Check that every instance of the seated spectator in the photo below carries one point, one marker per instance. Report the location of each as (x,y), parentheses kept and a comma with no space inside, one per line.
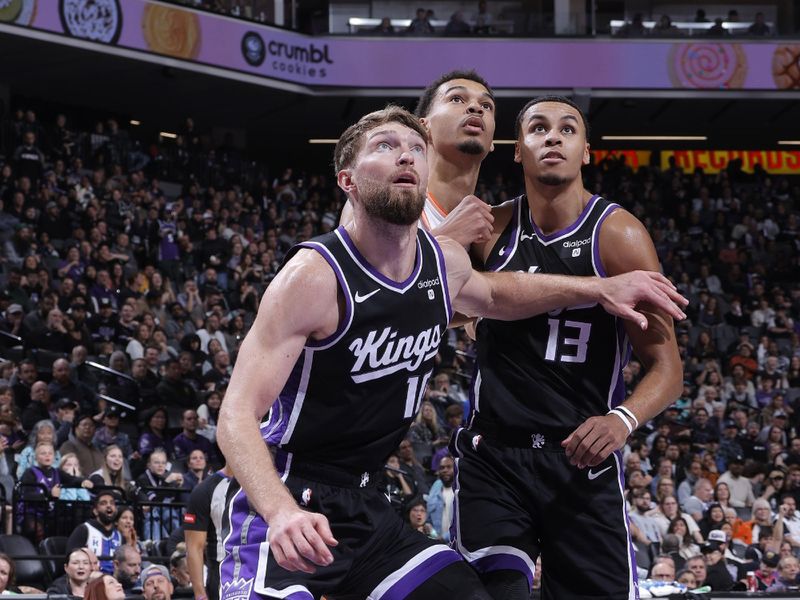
(110,435)
(104,588)
(688,546)
(714,518)
(441,498)
(179,570)
(154,433)
(219,375)
(425,432)
(173,391)
(43,431)
(644,529)
(634,28)
(128,568)
(667,511)
(100,534)
(39,407)
(8,585)
(189,440)
(663,570)
(418,519)
(197,469)
(787,580)
(665,28)
(717,575)
(69,464)
(77,569)
(112,473)
(697,503)
(740,487)
(126,525)
(687,578)
(82,443)
(43,482)
(457,26)
(410,464)
(156,583)
(420,25)
(207,415)
(63,387)
(159,487)
(759,26)
(384,27)
(397,484)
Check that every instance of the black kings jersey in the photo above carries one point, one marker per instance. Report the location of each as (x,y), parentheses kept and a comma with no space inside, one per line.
(554,370)
(350,398)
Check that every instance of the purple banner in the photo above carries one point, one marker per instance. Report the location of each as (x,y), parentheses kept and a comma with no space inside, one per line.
(227,43)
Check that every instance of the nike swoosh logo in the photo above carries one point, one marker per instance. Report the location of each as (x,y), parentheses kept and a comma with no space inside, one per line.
(359,298)
(524,237)
(592,475)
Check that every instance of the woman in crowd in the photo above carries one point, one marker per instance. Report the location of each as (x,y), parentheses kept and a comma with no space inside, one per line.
(135,347)
(77,569)
(688,547)
(112,471)
(197,469)
(207,415)
(72,466)
(667,511)
(713,518)
(126,524)
(424,433)
(104,588)
(155,433)
(722,495)
(418,519)
(8,572)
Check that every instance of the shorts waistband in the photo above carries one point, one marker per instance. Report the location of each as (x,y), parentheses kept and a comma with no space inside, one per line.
(323,473)
(549,438)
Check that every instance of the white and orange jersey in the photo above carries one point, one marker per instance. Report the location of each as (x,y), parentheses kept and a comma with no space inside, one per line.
(433,214)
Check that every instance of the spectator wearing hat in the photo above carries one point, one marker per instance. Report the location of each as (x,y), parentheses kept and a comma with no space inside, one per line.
(109,434)
(63,387)
(156,583)
(99,534)
(729,446)
(717,574)
(741,487)
(12,320)
(82,444)
(63,419)
(787,577)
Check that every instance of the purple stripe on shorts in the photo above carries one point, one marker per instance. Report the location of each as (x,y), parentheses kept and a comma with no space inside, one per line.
(502,562)
(242,546)
(631,549)
(420,574)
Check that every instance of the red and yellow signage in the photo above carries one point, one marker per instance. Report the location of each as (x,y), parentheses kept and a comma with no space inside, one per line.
(779,162)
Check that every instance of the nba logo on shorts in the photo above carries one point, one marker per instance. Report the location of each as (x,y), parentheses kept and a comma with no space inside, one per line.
(576,252)
(431,295)
(306,497)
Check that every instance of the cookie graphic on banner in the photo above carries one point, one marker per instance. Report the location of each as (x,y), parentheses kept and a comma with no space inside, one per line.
(171,31)
(786,66)
(707,65)
(19,12)
(94,20)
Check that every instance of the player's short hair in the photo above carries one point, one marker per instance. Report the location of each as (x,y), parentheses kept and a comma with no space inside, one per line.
(429,93)
(349,144)
(548,98)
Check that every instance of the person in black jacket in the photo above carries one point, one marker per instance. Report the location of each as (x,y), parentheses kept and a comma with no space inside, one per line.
(77,569)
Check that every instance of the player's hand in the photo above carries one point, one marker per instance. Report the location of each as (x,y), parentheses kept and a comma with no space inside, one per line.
(620,295)
(299,540)
(594,440)
(469,222)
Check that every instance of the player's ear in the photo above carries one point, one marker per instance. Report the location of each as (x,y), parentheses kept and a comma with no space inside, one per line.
(345,180)
(517,157)
(586,154)
(424,122)
(491,147)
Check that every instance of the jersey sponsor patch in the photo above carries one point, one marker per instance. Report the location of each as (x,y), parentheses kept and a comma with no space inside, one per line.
(189,518)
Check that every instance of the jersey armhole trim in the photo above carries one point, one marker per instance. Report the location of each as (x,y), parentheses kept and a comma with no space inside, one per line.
(442,268)
(347,320)
(507,252)
(597,263)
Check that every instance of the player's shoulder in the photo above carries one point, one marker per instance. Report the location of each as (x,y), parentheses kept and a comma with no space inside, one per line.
(625,243)
(621,223)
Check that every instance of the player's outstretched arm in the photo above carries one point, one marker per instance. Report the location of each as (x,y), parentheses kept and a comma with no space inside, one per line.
(300,303)
(514,296)
(625,245)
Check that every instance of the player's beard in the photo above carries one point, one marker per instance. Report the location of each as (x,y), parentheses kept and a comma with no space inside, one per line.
(551,179)
(395,206)
(471,147)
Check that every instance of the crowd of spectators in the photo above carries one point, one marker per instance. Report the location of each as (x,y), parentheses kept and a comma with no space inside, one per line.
(104,263)
(664,26)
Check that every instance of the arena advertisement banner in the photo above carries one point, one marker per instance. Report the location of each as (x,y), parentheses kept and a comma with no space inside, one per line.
(778,162)
(365,62)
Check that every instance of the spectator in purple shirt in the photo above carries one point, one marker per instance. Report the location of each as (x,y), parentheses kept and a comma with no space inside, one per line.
(189,440)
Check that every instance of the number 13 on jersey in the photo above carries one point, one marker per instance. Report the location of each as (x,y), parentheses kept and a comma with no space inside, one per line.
(567,341)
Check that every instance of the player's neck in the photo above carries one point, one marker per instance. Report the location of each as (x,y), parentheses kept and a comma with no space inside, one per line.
(451,180)
(554,208)
(390,249)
